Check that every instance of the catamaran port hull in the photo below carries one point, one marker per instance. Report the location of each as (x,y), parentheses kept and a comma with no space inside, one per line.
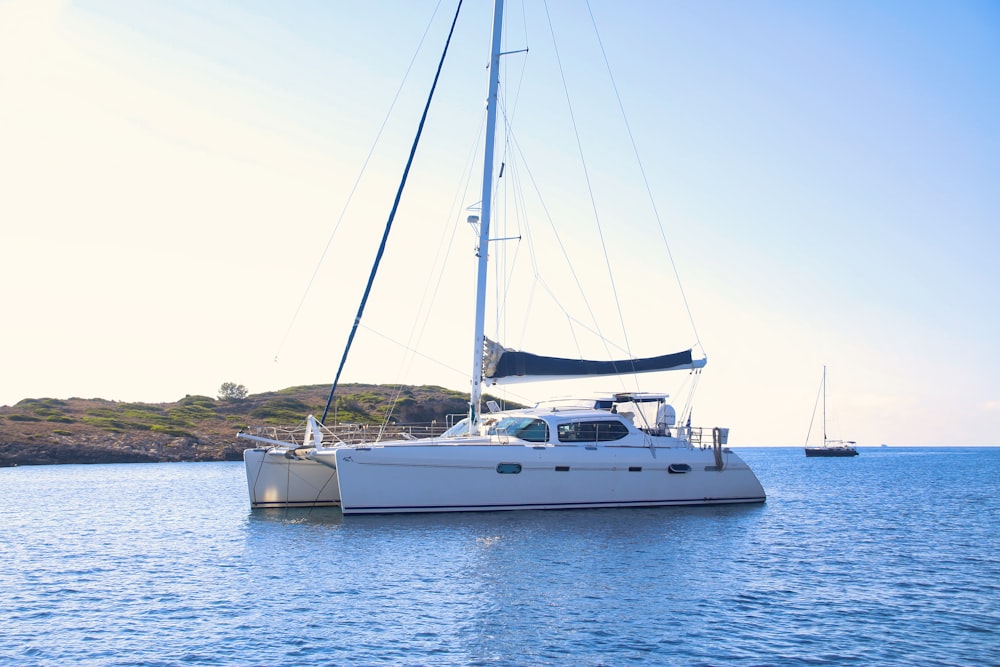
(279,477)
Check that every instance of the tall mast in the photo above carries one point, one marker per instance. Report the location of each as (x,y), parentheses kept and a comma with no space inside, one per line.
(824,406)
(483,251)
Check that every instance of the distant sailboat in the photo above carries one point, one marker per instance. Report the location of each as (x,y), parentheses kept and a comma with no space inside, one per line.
(829,447)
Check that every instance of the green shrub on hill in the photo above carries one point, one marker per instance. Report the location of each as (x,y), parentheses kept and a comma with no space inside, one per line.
(110,423)
(202,401)
(281,410)
(170,430)
(191,413)
(62,419)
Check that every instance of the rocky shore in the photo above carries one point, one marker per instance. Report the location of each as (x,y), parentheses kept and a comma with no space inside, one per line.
(130,448)
(196,428)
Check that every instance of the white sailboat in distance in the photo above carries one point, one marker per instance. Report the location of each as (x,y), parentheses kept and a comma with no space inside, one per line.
(830,447)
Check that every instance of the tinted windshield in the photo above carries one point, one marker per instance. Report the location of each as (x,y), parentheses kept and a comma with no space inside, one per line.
(525,428)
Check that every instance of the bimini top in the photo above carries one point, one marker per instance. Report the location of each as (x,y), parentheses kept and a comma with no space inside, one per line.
(501,365)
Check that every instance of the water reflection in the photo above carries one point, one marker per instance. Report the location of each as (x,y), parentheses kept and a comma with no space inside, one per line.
(611,520)
(320,516)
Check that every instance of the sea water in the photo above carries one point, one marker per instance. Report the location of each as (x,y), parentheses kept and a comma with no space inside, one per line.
(889,558)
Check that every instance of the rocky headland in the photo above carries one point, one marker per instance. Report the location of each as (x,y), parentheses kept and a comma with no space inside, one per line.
(40,431)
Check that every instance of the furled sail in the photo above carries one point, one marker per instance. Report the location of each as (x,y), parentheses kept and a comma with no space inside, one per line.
(501,365)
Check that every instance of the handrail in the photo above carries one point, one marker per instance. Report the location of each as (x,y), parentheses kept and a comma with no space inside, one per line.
(341,433)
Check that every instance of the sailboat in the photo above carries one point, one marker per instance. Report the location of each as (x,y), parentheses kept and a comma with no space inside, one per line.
(614,450)
(829,447)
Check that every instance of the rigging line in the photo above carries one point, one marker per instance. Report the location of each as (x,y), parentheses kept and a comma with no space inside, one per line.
(510,260)
(689,399)
(389,408)
(513,150)
(645,179)
(442,261)
(414,351)
(533,254)
(499,224)
(518,208)
(575,322)
(357,182)
(433,287)
(592,328)
(687,390)
(431,293)
(590,190)
(392,214)
(435,278)
(503,266)
(812,418)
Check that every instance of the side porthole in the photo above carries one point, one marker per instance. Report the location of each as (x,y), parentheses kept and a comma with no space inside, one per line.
(678,468)
(508,468)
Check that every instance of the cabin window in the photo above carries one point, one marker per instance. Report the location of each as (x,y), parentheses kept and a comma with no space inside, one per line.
(592,431)
(508,468)
(525,428)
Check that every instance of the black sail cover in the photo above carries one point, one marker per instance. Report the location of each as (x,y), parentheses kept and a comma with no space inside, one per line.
(501,364)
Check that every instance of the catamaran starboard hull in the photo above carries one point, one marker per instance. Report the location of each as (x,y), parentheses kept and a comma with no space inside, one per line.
(400,479)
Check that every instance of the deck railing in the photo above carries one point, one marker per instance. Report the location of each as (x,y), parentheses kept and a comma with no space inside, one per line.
(351,433)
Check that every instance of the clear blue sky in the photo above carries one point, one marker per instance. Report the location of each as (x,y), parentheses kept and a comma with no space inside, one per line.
(827,172)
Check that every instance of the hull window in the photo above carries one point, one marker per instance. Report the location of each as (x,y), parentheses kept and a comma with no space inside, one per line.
(677,468)
(508,468)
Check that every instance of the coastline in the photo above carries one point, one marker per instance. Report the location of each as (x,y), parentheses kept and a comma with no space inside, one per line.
(123,449)
(48,431)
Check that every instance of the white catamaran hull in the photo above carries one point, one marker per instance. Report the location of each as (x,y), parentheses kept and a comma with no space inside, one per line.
(278,478)
(456,478)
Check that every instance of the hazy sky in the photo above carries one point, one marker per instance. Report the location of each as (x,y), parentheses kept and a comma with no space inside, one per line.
(828,175)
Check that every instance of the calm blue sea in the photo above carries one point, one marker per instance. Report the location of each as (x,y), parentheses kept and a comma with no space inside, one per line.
(890,558)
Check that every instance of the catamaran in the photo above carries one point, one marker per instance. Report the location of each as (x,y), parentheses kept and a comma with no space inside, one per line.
(620,449)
